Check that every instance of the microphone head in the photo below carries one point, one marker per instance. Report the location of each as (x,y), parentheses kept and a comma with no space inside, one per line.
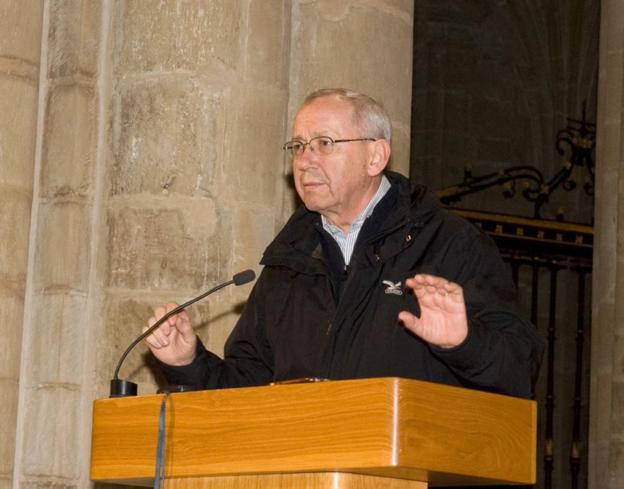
(244,277)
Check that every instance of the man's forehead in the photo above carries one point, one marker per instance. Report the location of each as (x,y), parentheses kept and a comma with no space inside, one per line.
(327,102)
(324,114)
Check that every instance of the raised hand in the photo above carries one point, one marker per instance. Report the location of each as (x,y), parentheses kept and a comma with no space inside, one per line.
(173,342)
(443,321)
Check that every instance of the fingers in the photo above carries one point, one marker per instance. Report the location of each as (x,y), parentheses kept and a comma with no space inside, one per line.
(165,333)
(180,321)
(159,338)
(437,288)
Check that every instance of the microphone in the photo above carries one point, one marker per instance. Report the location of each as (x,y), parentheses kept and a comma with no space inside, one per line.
(123,388)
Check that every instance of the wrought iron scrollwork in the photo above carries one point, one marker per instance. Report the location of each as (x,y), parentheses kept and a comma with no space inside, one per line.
(578,138)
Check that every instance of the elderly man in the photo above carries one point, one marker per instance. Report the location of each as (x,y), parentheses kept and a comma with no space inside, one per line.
(370,277)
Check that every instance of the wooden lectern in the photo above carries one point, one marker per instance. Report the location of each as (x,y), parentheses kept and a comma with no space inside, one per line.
(371,433)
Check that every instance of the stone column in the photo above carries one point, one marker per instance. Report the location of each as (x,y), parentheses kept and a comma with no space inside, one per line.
(20,44)
(193,164)
(159,174)
(606,449)
(55,374)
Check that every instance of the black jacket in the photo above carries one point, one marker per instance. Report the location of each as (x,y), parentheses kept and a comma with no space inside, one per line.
(310,316)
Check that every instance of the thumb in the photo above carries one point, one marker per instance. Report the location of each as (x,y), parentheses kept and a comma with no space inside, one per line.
(410,321)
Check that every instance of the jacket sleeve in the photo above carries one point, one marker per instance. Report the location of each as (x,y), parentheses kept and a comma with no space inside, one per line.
(502,351)
(248,359)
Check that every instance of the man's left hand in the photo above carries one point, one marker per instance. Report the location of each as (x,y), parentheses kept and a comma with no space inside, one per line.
(443,321)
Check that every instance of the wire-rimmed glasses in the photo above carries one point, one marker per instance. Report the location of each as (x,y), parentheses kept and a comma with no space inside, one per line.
(320,144)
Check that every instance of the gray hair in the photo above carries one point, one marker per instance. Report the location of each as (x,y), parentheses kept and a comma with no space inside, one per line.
(369,114)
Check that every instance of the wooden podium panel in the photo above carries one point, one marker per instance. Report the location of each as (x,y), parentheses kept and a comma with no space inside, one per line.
(310,480)
(386,427)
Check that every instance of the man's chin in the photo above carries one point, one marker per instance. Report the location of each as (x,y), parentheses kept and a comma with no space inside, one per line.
(312,205)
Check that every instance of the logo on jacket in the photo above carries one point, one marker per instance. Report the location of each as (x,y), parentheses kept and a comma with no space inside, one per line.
(392,288)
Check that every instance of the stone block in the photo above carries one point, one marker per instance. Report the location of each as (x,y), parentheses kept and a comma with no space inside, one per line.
(617,332)
(155,36)
(366,49)
(14,228)
(6,480)
(20,24)
(8,417)
(400,160)
(69,141)
(607,184)
(289,202)
(267,42)
(599,455)
(18,125)
(62,246)
(51,442)
(123,321)
(59,343)
(46,483)
(399,7)
(602,339)
(253,170)
(166,247)
(225,311)
(124,318)
(164,137)
(616,463)
(611,88)
(73,38)
(601,406)
(616,427)
(612,31)
(12,307)
(253,229)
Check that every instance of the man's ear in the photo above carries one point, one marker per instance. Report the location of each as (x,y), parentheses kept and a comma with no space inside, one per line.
(380,155)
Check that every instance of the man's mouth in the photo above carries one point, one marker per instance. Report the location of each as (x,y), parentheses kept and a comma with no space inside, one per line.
(312,184)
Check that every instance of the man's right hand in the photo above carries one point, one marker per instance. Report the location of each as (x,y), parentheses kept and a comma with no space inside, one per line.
(174,341)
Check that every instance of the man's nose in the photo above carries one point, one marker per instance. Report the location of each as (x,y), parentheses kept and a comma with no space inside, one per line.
(307,157)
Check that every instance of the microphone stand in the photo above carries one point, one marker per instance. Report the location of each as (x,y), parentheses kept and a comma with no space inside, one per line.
(124,388)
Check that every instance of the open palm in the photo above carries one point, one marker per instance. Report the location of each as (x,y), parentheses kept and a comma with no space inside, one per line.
(443,320)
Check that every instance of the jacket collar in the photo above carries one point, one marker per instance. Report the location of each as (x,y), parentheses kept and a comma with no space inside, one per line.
(392,227)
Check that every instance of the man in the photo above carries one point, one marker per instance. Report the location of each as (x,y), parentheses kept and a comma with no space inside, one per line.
(368,278)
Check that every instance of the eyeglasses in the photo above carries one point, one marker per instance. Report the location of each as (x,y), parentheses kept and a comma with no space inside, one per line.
(321,144)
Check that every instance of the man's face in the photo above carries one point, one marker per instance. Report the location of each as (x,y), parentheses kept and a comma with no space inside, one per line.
(336,185)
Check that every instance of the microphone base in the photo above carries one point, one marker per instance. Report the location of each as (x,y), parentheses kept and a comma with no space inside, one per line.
(122,388)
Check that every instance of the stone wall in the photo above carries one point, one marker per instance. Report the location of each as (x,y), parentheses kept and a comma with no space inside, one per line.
(20,44)
(158,173)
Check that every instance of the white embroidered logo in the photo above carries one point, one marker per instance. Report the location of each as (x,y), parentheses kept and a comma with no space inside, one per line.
(392,288)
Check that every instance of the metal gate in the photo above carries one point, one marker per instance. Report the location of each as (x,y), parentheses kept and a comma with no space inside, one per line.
(551,264)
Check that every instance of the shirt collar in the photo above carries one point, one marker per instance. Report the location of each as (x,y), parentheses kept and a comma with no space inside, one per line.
(384,186)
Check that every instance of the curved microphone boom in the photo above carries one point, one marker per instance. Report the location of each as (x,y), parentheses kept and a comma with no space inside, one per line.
(122,388)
